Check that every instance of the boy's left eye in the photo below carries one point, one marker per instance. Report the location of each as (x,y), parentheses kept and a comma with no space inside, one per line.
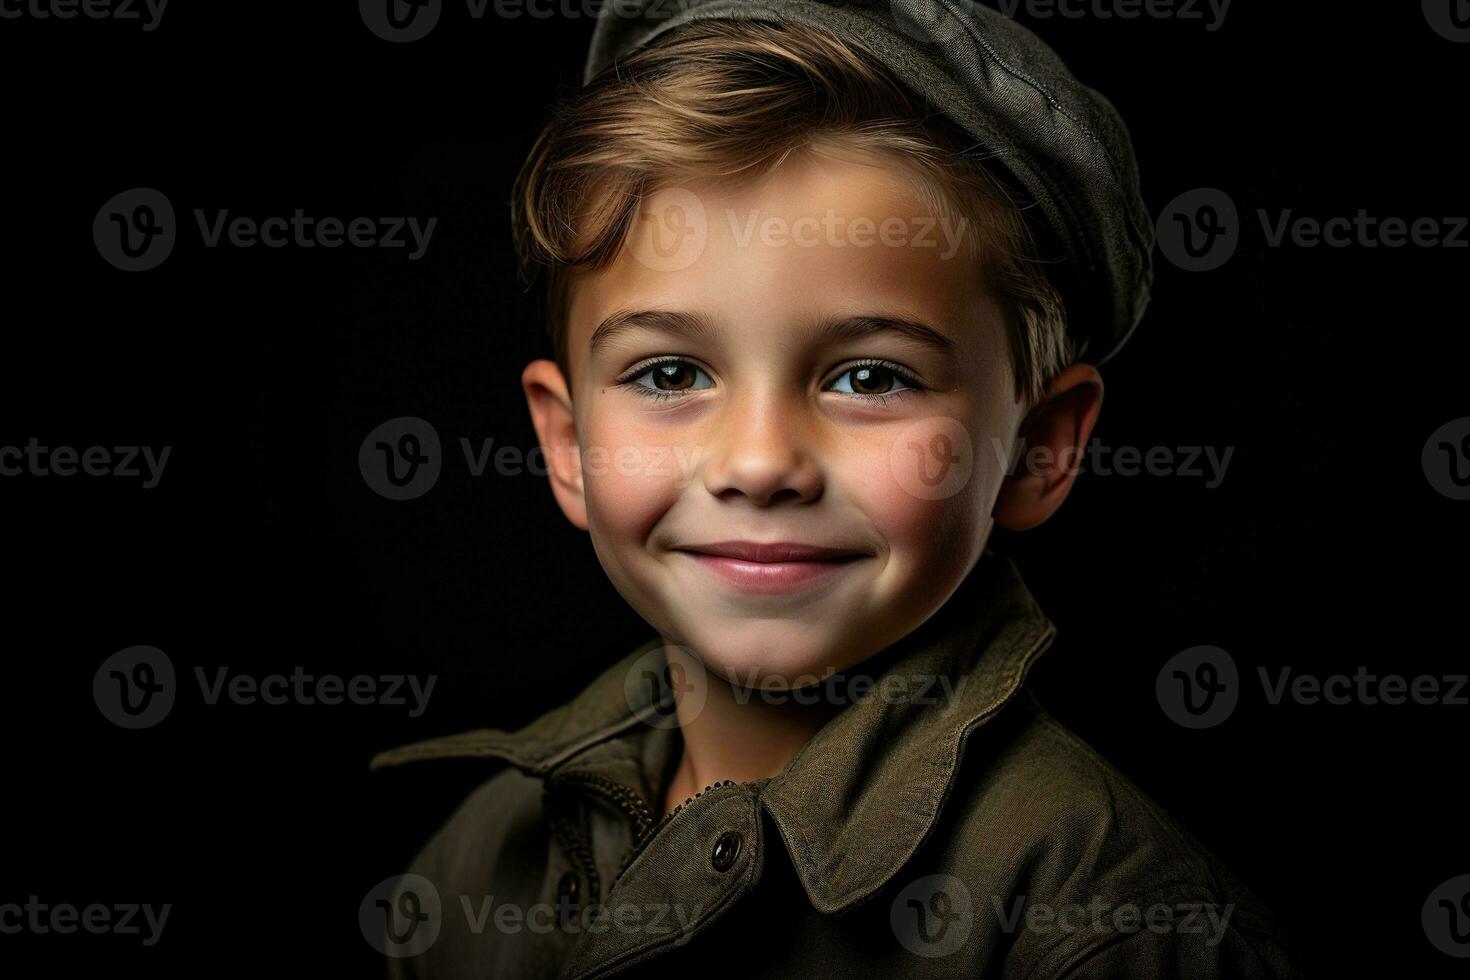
(871,379)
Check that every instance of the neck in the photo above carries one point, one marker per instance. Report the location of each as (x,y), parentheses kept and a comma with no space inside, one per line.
(731,732)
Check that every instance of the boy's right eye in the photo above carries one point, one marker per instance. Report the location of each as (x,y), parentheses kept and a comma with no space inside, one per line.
(668,376)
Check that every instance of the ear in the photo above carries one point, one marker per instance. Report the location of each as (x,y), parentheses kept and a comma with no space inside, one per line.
(1049,449)
(551,413)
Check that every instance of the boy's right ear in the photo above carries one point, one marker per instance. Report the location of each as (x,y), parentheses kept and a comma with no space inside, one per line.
(551,412)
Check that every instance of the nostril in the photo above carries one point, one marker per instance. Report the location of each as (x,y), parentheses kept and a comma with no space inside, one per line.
(787,493)
(763,475)
(782,495)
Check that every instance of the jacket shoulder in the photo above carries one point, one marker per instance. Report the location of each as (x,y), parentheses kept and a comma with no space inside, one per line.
(1058,841)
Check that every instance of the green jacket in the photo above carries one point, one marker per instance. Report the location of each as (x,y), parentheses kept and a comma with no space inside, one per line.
(955,830)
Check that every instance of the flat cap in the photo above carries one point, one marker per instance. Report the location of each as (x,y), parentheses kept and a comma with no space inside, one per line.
(1063,143)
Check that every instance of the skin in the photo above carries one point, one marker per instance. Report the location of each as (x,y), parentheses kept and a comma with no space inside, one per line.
(762,432)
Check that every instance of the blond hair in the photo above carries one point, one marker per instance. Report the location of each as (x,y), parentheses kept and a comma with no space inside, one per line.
(728,102)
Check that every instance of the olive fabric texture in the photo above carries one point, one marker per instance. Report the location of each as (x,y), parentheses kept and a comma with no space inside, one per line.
(1062,141)
(941,824)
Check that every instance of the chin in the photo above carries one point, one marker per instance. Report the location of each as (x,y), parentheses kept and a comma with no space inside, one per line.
(776,655)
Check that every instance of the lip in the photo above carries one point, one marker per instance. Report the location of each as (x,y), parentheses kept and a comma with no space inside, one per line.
(775,568)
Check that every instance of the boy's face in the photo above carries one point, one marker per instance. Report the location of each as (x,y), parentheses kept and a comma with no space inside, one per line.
(743,380)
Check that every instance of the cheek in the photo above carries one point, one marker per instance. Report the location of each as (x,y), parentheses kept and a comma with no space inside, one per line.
(925,485)
(632,474)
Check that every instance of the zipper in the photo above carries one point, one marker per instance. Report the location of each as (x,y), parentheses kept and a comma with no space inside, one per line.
(627,801)
(640,843)
(564,828)
(623,798)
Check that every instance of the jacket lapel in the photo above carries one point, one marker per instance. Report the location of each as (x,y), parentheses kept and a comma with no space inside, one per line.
(858,800)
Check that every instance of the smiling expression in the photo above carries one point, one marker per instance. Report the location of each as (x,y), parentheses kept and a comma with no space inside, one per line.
(792,434)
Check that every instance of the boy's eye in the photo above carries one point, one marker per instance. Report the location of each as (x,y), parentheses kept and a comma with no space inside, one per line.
(673,376)
(870,379)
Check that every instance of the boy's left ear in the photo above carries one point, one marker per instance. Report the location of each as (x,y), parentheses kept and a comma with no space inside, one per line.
(1049,449)
(551,413)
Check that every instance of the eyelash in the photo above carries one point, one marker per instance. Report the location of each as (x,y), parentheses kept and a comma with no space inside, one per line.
(630,377)
(903,374)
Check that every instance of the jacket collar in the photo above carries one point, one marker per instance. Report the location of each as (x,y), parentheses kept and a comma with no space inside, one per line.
(862,795)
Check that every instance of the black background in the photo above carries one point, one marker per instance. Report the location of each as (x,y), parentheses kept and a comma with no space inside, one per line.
(262,548)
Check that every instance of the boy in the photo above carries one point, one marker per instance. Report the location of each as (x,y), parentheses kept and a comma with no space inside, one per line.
(818,273)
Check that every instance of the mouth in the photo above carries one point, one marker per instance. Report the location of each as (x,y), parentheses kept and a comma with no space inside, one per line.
(776,568)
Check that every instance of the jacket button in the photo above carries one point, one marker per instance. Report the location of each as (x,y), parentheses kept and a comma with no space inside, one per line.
(567,888)
(727,849)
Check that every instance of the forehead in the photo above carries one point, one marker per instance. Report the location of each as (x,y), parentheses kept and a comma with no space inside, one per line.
(818,236)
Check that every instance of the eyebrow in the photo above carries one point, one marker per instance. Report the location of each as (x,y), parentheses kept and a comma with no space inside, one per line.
(688,325)
(693,325)
(853,327)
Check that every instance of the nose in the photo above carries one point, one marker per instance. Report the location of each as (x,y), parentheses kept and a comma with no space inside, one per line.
(763,454)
